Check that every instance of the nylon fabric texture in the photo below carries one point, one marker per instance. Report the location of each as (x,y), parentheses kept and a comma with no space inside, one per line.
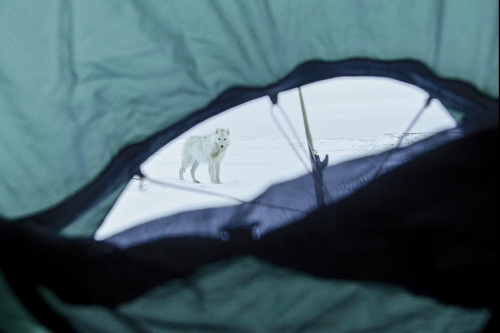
(245,289)
(106,75)
(89,89)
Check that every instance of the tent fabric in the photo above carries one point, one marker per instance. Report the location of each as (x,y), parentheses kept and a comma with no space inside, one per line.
(260,216)
(108,75)
(404,243)
(90,89)
(269,299)
(13,316)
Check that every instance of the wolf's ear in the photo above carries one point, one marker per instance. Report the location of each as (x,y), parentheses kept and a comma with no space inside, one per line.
(217,131)
(227,131)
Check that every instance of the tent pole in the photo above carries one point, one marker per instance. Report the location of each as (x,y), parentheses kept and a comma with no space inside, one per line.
(317,165)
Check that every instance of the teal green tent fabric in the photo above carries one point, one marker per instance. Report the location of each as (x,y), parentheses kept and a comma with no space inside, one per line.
(88,88)
(13,316)
(247,295)
(82,80)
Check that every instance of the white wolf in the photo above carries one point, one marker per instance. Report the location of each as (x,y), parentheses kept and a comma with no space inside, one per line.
(210,149)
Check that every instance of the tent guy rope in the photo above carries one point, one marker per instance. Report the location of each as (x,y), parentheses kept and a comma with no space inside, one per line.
(143,177)
(400,140)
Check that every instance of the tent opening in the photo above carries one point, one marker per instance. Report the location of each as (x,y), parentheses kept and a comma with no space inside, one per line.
(349,117)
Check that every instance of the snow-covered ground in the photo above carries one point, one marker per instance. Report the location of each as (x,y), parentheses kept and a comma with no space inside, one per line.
(348,118)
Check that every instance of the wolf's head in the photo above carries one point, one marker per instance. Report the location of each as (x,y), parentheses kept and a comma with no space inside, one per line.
(222,139)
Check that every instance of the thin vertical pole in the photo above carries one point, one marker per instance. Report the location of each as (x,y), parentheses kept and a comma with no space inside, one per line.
(315,161)
(306,123)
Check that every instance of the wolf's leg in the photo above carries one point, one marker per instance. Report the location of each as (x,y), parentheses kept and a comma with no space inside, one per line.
(181,173)
(217,173)
(193,170)
(211,171)
(186,161)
